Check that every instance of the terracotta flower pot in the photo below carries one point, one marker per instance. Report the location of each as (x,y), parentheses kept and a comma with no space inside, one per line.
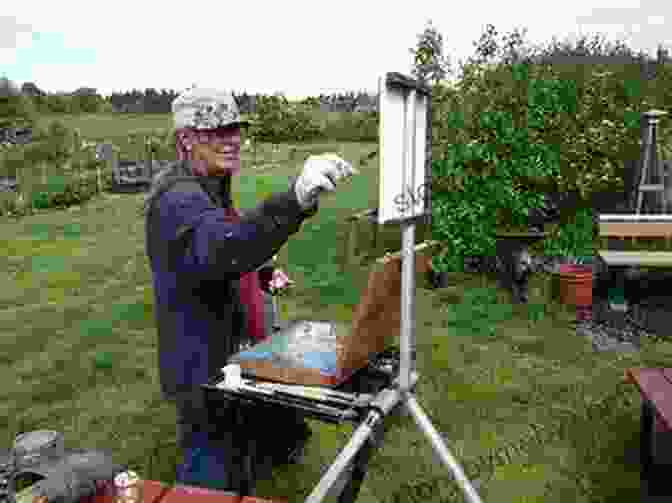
(576,285)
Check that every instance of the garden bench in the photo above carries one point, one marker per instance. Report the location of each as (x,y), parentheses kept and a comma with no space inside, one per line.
(621,231)
(633,231)
(655,386)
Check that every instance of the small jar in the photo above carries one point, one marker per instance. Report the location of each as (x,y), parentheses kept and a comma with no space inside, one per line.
(128,488)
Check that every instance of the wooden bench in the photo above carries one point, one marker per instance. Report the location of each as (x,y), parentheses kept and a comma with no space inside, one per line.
(633,231)
(655,386)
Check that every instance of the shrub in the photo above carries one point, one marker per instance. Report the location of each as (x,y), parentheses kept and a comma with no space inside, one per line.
(16,110)
(353,126)
(507,134)
(277,121)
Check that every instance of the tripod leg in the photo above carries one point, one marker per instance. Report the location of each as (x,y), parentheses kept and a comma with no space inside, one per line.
(343,463)
(386,401)
(440,448)
(360,464)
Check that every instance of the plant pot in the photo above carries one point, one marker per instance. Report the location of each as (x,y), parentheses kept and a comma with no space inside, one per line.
(575,286)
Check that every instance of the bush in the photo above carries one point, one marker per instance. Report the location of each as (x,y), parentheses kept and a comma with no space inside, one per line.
(54,146)
(277,121)
(574,238)
(486,172)
(353,126)
(507,134)
(16,110)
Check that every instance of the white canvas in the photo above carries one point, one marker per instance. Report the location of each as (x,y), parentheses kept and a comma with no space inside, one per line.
(402,183)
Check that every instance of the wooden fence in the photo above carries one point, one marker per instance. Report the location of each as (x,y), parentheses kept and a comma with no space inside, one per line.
(366,239)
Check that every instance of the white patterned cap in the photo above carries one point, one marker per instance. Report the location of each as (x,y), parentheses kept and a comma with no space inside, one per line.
(200,108)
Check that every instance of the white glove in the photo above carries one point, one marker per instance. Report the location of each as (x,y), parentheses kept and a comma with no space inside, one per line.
(320,173)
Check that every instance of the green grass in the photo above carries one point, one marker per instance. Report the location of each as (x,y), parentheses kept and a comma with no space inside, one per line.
(524,403)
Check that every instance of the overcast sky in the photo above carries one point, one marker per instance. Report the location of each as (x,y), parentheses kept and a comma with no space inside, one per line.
(296,47)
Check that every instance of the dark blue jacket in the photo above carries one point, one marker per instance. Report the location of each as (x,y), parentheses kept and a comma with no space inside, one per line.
(196,259)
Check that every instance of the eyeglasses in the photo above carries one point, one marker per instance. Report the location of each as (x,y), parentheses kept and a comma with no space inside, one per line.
(214,140)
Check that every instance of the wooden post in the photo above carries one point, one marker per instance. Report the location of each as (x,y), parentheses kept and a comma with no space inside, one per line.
(151,161)
(254,150)
(76,148)
(114,163)
(148,156)
(351,241)
(28,192)
(109,166)
(108,155)
(369,218)
(99,179)
(373,223)
(19,188)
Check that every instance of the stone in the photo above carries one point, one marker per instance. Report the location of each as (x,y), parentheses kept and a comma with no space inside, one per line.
(602,342)
(8,184)
(104,152)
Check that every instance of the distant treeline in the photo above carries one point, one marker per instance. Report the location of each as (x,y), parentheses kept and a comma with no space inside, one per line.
(152,101)
(87,100)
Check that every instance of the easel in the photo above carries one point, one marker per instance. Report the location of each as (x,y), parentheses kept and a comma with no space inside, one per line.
(400,111)
(402,391)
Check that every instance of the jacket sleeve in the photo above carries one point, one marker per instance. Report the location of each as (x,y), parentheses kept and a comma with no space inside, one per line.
(213,246)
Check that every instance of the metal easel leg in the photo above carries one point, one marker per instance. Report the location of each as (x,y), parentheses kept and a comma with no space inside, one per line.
(357,472)
(441,450)
(380,407)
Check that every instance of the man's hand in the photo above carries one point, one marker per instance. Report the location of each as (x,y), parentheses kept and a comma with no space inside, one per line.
(320,174)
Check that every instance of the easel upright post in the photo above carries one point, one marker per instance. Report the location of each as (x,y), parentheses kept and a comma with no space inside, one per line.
(407,335)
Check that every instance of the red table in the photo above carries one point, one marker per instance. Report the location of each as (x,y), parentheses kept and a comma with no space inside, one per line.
(655,386)
(157,492)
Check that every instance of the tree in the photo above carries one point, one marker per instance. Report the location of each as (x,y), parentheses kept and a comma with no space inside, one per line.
(311,102)
(58,103)
(86,100)
(36,95)
(31,90)
(16,110)
(429,62)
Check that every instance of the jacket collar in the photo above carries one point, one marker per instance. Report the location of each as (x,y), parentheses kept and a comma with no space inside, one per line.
(217,188)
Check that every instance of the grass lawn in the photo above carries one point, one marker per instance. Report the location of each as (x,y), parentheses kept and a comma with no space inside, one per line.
(524,403)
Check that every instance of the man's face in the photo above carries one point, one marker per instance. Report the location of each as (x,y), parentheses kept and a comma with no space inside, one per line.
(221,153)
